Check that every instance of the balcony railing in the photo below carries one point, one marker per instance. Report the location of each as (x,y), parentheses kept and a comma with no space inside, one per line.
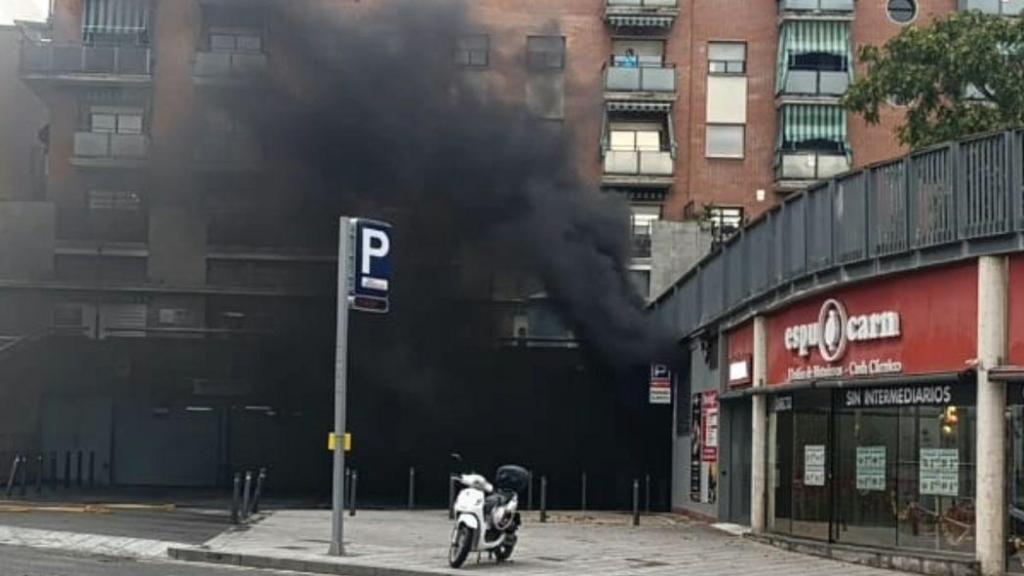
(51,59)
(834,6)
(643,3)
(1005,7)
(640,79)
(810,165)
(816,82)
(934,200)
(638,163)
(641,13)
(229,64)
(111,146)
(228,150)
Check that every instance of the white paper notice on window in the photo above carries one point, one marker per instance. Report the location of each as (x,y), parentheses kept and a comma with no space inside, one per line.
(814,465)
(939,472)
(871,468)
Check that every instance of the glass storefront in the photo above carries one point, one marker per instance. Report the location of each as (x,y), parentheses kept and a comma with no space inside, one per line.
(883,466)
(1015,478)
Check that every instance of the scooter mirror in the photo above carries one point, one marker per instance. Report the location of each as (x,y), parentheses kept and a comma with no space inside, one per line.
(456,457)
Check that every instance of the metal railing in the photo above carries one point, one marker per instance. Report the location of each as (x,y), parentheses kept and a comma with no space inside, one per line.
(810,165)
(967,191)
(229,64)
(639,162)
(1006,7)
(643,78)
(643,3)
(81,59)
(816,82)
(817,5)
(110,145)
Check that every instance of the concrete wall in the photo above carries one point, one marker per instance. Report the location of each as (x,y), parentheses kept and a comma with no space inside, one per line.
(27,232)
(23,115)
(675,248)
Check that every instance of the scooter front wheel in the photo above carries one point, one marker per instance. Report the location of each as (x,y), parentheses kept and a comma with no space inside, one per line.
(462,541)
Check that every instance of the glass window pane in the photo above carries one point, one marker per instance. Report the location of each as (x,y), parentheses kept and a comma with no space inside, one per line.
(222,42)
(623,141)
(780,467)
(129,124)
(727,51)
(810,477)
(104,123)
(249,43)
(725,141)
(649,141)
(866,449)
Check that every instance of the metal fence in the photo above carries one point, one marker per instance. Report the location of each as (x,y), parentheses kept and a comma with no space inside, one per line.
(963,191)
(49,58)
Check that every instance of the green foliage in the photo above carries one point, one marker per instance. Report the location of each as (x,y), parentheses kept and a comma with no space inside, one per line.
(931,71)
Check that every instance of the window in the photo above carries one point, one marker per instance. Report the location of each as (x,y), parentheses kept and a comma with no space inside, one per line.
(226,40)
(118,200)
(631,53)
(727,58)
(115,21)
(902,11)
(642,219)
(473,51)
(632,140)
(725,141)
(545,52)
(641,279)
(817,61)
(725,220)
(110,120)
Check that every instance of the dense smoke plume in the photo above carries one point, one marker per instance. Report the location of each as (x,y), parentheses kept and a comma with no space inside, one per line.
(375,119)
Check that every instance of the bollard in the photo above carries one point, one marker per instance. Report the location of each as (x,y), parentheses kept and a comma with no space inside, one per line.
(543,498)
(451,497)
(259,490)
(647,493)
(412,487)
(67,470)
(78,470)
(583,493)
(529,493)
(40,469)
(636,502)
(24,476)
(53,471)
(13,476)
(235,495)
(92,468)
(352,495)
(245,494)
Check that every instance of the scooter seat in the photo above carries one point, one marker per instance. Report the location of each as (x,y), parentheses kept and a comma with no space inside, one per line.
(499,498)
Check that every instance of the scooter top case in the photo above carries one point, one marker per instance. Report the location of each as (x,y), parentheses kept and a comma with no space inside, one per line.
(511,478)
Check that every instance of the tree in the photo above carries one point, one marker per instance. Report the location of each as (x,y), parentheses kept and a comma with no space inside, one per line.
(962,75)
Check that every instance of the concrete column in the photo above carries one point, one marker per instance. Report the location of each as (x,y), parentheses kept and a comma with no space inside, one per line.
(759,431)
(991,426)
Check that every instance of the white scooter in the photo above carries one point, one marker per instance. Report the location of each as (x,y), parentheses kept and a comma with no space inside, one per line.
(486,516)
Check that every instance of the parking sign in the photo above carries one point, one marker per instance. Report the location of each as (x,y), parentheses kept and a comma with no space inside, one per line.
(371,267)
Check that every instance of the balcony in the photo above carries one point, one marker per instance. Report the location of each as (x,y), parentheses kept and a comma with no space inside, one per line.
(103,65)
(230,151)
(1004,7)
(644,82)
(641,13)
(109,150)
(817,9)
(796,170)
(638,168)
(219,67)
(829,84)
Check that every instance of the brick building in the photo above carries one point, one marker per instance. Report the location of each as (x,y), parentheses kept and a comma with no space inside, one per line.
(702,112)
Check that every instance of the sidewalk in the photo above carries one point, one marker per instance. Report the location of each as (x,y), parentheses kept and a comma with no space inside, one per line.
(415,543)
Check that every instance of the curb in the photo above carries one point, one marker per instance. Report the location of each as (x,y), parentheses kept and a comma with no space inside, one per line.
(289,564)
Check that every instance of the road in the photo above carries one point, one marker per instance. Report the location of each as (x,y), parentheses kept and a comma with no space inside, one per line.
(16,561)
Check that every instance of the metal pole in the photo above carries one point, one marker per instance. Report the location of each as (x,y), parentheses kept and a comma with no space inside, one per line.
(13,476)
(78,469)
(259,490)
(543,498)
(53,471)
(583,493)
(352,496)
(636,502)
(67,470)
(647,493)
(235,495)
(451,497)
(529,493)
(92,468)
(245,494)
(24,476)
(412,487)
(340,381)
(41,469)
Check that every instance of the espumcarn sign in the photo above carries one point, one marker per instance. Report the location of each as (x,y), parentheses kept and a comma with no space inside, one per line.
(833,333)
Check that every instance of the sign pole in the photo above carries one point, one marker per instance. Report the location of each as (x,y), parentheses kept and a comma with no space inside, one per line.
(340,382)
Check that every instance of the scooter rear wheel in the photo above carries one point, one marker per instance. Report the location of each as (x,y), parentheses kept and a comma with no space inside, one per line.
(462,541)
